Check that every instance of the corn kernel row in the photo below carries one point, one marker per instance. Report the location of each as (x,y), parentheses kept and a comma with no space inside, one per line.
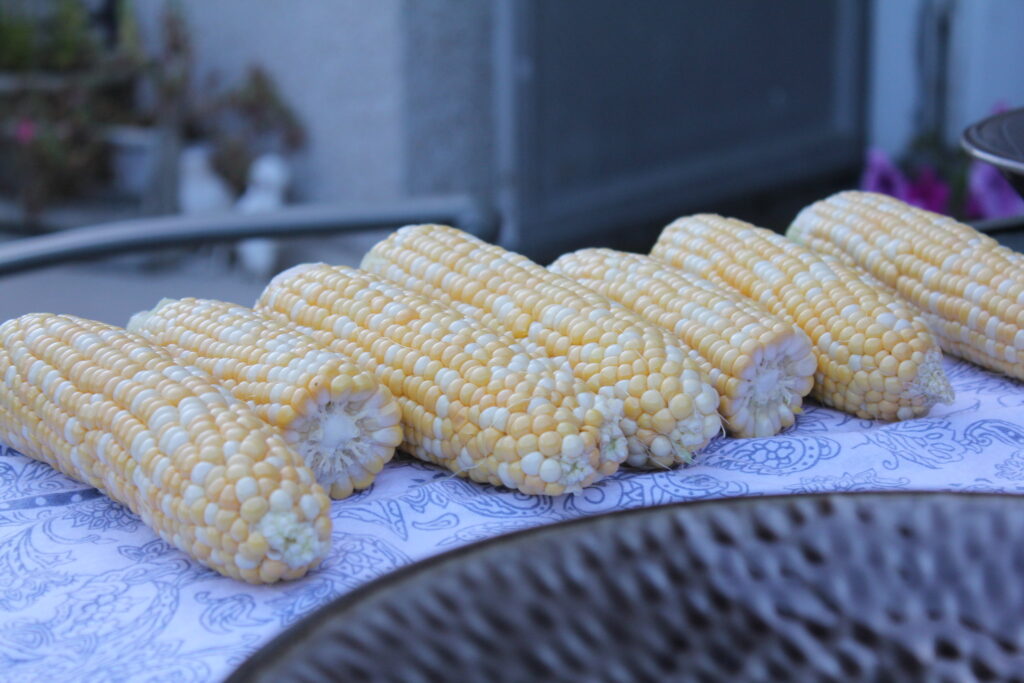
(611,349)
(761,365)
(197,465)
(339,418)
(471,399)
(876,357)
(969,288)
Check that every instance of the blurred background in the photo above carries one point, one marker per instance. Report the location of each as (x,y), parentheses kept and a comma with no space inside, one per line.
(572,122)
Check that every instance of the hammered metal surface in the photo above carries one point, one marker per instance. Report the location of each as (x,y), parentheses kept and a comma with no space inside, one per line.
(856,587)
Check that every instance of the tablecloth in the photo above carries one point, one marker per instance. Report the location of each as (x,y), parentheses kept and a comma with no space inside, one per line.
(88,592)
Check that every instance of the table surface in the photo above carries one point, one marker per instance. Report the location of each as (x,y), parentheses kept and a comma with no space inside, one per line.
(89,592)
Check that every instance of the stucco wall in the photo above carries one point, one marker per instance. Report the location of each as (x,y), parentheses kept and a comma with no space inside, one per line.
(339,66)
(448,109)
(396,95)
(986,67)
(985,49)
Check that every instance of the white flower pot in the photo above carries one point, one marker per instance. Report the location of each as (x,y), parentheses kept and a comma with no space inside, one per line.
(133,151)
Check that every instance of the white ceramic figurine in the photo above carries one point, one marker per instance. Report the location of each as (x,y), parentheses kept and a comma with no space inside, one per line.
(200,189)
(269,176)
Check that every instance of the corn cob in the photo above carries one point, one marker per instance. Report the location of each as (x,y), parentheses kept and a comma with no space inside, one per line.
(761,365)
(670,408)
(472,400)
(968,287)
(197,465)
(338,417)
(876,357)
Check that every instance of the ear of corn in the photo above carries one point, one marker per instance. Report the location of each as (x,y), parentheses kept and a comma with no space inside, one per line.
(969,288)
(472,400)
(761,365)
(337,416)
(197,465)
(876,357)
(670,408)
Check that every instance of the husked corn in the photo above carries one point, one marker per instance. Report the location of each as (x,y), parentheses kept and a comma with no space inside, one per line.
(876,357)
(670,406)
(968,287)
(337,416)
(761,365)
(196,464)
(472,400)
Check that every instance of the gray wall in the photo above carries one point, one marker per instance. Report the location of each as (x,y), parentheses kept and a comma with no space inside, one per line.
(988,54)
(986,51)
(394,94)
(448,109)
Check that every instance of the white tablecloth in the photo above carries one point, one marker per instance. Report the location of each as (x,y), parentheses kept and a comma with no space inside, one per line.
(87,592)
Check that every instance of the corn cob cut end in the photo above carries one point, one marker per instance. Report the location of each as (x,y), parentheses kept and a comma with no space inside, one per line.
(931,381)
(771,387)
(197,465)
(580,461)
(611,439)
(761,366)
(930,385)
(556,317)
(671,424)
(290,538)
(347,433)
(342,422)
(542,436)
(876,356)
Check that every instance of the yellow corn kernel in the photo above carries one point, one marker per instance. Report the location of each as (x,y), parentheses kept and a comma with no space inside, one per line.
(109,409)
(968,287)
(846,319)
(337,416)
(449,375)
(606,345)
(761,366)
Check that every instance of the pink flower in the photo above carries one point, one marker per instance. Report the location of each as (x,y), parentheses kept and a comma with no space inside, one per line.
(881,175)
(929,191)
(24,132)
(989,195)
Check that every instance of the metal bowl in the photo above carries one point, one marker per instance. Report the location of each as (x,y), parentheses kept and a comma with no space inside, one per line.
(825,587)
(999,140)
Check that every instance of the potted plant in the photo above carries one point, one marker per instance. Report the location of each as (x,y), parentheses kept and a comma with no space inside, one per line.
(130,134)
(65,74)
(244,123)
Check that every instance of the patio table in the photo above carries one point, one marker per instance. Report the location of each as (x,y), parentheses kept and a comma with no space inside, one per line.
(88,592)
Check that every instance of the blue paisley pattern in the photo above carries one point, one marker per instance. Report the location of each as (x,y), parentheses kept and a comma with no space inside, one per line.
(770,456)
(1012,468)
(88,592)
(929,442)
(868,480)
